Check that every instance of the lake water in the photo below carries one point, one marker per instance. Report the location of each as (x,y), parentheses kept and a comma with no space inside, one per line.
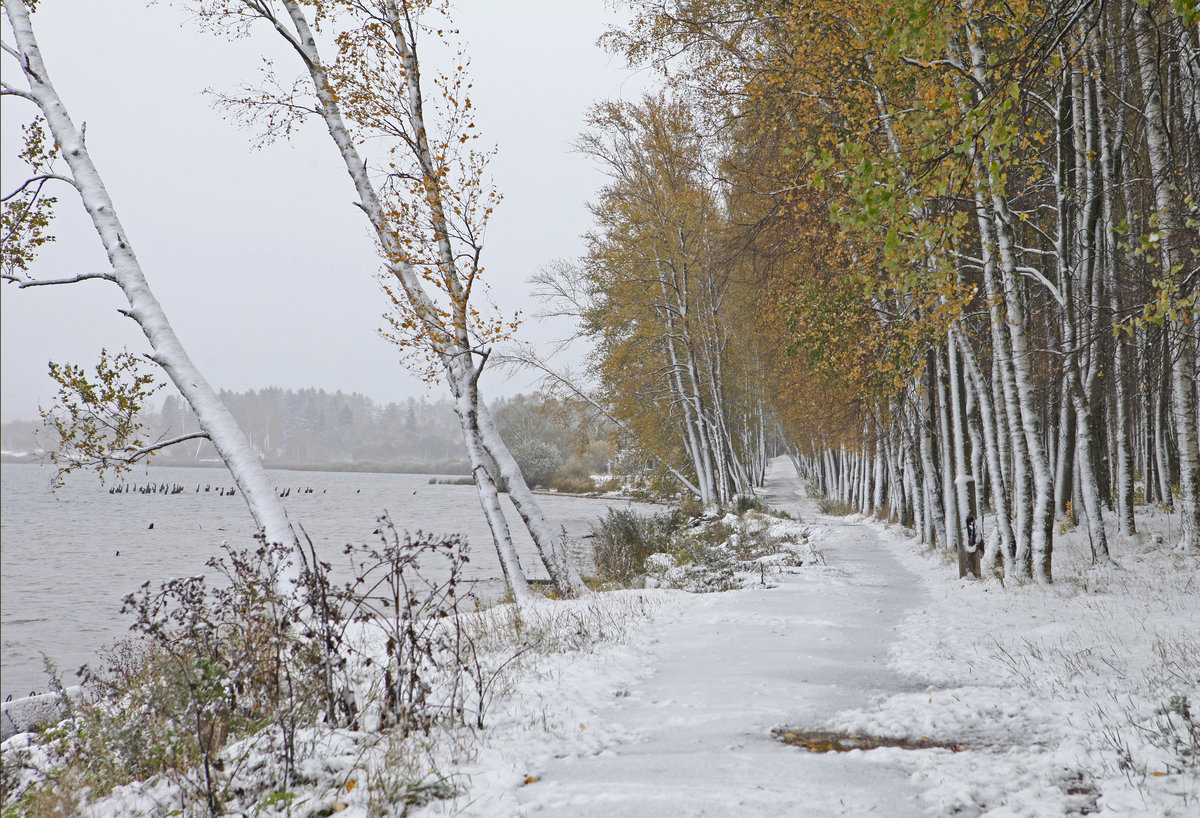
(68,558)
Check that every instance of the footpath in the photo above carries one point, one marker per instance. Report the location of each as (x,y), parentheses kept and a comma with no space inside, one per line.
(736,666)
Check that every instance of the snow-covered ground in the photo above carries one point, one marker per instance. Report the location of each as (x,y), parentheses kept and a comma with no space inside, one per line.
(1079,698)
(1049,694)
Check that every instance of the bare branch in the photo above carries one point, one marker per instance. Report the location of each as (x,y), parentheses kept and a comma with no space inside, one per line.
(41,179)
(132,454)
(7,90)
(562,381)
(22,283)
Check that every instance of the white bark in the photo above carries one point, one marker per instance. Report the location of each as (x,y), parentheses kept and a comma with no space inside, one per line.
(992,431)
(1041,539)
(1181,335)
(466,405)
(932,485)
(964,475)
(1011,436)
(214,418)
(526,506)
(950,477)
(1087,483)
(1126,522)
(450,344)
(880,466)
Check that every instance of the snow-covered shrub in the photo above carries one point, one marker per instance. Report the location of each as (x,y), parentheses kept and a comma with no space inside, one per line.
(719,555)
(216,661)
(747,502)
(404,596)
(623,540)
(834,507)
(229,671)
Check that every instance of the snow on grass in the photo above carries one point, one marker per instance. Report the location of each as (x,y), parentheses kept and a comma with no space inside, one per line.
(733,552)
(541,668)
(549,704)
(1081,697)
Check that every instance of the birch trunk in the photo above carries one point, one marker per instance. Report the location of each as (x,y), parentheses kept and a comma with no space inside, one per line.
(1111,146)
(1012,434)
(945,437)
(1065,465)
(934,510)
(1087,484)
(992,431)
(446,343)
(880,466)
(1180,334)
(965,477)
(466,406)
(168,352)
(530,512)
(1041,541)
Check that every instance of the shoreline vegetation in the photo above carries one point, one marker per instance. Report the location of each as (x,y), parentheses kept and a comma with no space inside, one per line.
(453,469)
(557,444)
(449,469)
(232,698)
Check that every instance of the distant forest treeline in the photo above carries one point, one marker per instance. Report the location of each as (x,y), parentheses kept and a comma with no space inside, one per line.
(312,428)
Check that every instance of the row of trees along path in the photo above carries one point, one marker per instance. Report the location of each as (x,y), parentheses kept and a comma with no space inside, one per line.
(950,253)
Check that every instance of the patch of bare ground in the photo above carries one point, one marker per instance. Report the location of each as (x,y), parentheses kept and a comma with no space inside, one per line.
(831,741)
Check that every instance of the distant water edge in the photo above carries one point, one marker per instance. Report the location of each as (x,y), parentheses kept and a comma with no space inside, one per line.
(445,467)
(68,558)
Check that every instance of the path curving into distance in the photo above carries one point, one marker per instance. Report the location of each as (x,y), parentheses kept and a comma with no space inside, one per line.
(735,665)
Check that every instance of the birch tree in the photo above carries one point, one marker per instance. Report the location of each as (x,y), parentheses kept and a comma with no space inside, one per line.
(1180,269)
(663,295)
(425,196)
(63,160)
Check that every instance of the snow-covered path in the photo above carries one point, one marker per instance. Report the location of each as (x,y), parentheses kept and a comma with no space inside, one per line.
(729,668)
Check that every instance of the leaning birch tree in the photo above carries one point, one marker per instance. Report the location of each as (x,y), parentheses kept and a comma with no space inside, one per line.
(426,197)
(64,161)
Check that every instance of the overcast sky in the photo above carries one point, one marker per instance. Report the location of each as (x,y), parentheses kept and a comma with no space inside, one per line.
(263,265)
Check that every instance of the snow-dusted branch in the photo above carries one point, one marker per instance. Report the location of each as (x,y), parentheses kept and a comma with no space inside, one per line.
(132,455)
(41,180)
(23,282)
(71,458)
(1036,274)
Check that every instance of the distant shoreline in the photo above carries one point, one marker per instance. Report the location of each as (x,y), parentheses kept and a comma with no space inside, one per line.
(441,469)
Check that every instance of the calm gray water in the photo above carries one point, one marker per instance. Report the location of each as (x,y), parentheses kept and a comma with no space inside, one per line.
(67,559)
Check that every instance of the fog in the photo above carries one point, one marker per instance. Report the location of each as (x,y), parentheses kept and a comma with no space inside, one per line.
(264,266)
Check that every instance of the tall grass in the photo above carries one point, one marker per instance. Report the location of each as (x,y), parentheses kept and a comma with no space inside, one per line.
(623,539)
